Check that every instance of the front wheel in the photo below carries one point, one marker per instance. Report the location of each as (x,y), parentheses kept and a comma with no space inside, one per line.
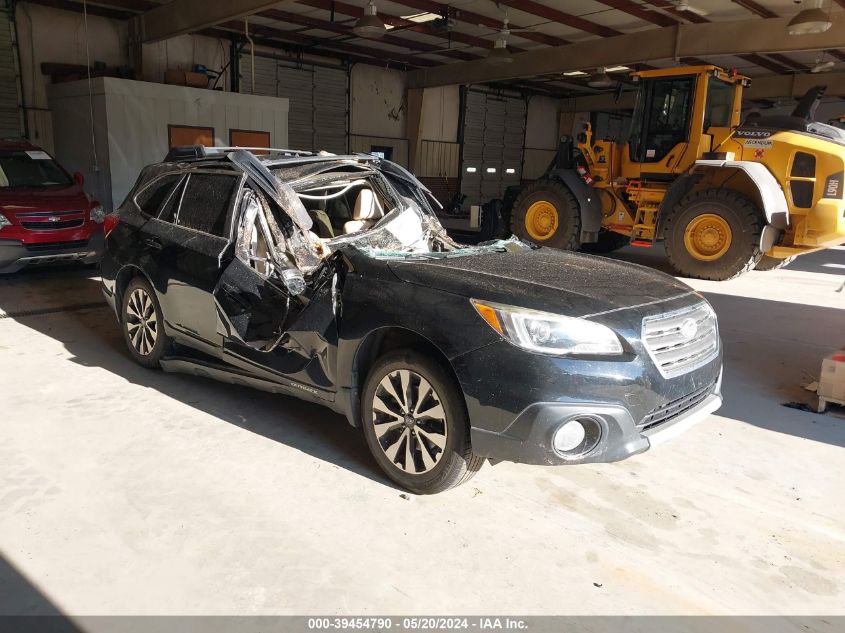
(416,424)
(714,234)
(547,213)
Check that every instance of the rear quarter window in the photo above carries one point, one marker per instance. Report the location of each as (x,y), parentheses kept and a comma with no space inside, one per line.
(150,199)
(206,202)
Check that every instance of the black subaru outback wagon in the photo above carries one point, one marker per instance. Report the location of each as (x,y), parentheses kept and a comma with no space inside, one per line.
(329,278)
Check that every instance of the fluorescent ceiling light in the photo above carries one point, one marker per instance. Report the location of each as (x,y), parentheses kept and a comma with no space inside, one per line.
(616,69)
(421,18)
(575,73)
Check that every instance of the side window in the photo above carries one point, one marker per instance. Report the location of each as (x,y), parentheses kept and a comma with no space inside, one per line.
(666,116)
(150,199)
(206,202)
(720,103)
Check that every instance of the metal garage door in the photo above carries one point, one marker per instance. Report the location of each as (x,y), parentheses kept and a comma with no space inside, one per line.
(11,123)
(318,99)
(493,141)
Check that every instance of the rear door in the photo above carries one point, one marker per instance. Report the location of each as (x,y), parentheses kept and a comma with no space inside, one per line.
(200,224)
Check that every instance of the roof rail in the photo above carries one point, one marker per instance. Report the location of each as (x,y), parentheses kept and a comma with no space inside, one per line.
(194,152)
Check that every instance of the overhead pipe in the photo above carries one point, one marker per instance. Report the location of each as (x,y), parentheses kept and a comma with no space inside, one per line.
(251,53)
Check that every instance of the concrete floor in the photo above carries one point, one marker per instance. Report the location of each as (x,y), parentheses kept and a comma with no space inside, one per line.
(129,491)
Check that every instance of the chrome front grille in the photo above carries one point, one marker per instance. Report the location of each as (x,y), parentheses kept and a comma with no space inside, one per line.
(52,225)
(671,410)
(51,220)
(681,341)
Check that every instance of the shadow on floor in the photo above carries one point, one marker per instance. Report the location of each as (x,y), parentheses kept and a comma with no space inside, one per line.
(770,352)
(48,289)
(21,601)
(93,338)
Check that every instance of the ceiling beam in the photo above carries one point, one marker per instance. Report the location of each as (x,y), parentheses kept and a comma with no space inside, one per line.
(346,29)
(352,10)
(638,11)
(555,15)
(749,37)
(186,16)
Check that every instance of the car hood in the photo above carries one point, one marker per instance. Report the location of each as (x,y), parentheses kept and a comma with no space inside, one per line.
(556,281)
(70,198)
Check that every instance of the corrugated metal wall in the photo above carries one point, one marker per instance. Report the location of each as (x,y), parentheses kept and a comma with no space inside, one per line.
(318,116)
(11,121)
(494,136)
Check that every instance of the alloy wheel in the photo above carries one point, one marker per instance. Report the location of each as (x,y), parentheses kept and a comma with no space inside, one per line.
(141,322)
(409,421)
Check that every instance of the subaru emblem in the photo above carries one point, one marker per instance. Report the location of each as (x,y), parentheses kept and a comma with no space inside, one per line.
(689,328)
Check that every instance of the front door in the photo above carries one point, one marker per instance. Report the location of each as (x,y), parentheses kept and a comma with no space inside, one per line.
(273,323)
(661,124)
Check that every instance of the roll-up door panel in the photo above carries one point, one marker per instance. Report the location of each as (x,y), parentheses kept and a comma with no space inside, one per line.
(317,98)
(297,86)
(330,109)
(493,140)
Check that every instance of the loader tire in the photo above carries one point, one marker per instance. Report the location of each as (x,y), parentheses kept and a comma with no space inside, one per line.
(714,234)
(546,213)
(773,263)
(608,242)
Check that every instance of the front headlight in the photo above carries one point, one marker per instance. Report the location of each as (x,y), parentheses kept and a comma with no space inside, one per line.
(548,333)
(4,221)
(98,214)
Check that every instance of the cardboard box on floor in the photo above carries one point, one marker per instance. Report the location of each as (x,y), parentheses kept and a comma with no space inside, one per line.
(832,378)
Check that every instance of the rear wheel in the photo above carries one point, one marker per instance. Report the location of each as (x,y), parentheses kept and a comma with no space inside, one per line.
(546,212)
(608,242)
(714,234)
(773,263)
(416,424)
(143,324)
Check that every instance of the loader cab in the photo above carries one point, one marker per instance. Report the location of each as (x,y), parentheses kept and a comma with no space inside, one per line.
(680,114)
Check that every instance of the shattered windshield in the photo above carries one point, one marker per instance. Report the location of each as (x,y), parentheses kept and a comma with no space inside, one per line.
(346,203)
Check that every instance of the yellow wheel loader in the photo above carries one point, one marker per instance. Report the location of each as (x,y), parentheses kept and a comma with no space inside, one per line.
(725,196)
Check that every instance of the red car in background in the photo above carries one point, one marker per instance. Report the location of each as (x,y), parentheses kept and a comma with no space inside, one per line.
(45,214)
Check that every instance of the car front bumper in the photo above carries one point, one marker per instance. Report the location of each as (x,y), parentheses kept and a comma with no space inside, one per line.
(530,439)
(15,255)
(532,397)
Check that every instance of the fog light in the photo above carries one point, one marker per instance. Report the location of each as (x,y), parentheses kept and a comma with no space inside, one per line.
(577,436)
(570,436)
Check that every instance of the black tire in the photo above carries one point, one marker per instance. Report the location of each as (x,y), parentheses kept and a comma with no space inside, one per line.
(773,263)
(608,242)
(746,224)
(567,235)
(150,351)
(454,463)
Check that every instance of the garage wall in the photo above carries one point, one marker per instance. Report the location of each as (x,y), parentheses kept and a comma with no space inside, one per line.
(378,110)
(11,119)
(53,35)
(183,53)
(439,152)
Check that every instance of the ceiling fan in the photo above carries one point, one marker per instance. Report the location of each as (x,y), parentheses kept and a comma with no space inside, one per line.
(678,5)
